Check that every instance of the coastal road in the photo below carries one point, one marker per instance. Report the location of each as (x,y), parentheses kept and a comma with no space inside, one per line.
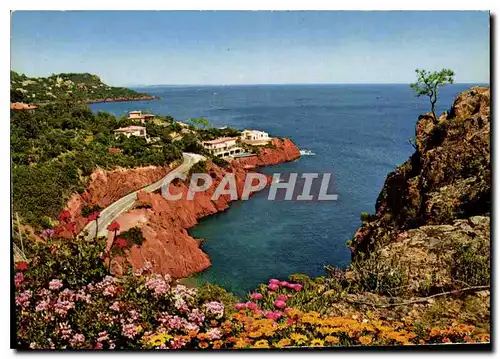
(126,203)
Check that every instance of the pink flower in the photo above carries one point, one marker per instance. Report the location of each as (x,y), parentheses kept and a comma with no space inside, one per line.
(214,334)
(273,315)
(215,308)
(98,346)
(197,316)
(287,310)
(256,296)
(103,336)
(279,304)
(77,339)
(129,330)
(23,298)
(115,306)
(18,279)
(282,297)
(55,284)
(274,281)
(284,284)
(251,305)
(297,287)
(240,306)
(273,287)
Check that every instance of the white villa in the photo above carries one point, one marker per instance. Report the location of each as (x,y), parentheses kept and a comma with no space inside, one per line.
(255,137)
(223,147)
(139,131)
(137,115)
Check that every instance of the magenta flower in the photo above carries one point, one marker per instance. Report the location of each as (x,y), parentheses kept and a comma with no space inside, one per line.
(274,281)
(282,297)
(273,286)
(251,305)
(240,306)
(279,304)
(273,315)
(18,279)
(297,287)
(285,284)
(256,296)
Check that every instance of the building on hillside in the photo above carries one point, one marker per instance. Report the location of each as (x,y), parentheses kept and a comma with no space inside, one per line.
(20,106)
(138,131)
(254,137)
(222,147)
(139,116)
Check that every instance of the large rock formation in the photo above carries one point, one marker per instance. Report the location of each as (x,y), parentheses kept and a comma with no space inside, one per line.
(432,214)
(164,223)
(105,187)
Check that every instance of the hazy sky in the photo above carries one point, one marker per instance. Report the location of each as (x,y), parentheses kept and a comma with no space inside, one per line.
(227,47)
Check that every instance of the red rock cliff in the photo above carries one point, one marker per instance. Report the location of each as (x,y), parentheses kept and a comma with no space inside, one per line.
(164,224)
(105,187)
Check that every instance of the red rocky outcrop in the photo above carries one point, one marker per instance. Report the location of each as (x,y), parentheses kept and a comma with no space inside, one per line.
(164,224)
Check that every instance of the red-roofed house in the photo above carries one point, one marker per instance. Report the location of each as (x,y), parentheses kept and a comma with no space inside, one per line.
(137,115)
(20,106)
(222,147)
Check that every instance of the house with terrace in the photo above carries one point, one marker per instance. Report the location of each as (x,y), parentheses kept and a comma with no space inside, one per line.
(223,147)
(255,137)
(139,131)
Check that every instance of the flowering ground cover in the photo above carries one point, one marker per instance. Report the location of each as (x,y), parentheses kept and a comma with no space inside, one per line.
(143,310)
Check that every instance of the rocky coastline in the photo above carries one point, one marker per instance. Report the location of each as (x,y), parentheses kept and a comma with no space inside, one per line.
(164,224)
(124,99)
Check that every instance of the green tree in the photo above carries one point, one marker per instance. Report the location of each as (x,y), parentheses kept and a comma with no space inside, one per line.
(428,83)
(200,122)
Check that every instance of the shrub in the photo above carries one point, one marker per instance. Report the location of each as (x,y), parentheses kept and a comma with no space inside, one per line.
(471,263)
(220,162)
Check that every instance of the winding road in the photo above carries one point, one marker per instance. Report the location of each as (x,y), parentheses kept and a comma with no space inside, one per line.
(126,203)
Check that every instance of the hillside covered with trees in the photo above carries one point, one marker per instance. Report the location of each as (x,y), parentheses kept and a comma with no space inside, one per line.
(56,148)
(80,87)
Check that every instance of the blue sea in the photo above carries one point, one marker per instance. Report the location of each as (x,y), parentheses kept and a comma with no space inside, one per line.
(359,133)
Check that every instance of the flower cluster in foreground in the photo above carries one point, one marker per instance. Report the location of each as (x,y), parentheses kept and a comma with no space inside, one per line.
(147,310)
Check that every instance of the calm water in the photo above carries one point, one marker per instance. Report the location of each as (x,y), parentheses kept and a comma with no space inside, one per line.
(357,132)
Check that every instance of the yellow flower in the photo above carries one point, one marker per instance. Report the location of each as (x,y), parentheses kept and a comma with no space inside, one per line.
(283,343)
(317,343)
(255,334)
(240,343)
(298,338)
(159,339)
(261,344)
(435,332)
(332,339)
(217,344)
(365,340)
(203,345)
(202,336)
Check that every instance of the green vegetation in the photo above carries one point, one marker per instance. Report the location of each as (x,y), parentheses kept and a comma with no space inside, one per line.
(78,87)
(471,263)
(56,148)
(428,83)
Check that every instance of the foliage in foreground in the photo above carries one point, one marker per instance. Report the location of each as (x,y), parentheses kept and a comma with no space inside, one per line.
(86,308)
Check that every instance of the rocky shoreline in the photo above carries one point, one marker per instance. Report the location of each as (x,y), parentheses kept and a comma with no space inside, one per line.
(123,99)
(164,224)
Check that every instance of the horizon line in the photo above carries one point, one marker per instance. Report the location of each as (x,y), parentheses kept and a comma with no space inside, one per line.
(293,84)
